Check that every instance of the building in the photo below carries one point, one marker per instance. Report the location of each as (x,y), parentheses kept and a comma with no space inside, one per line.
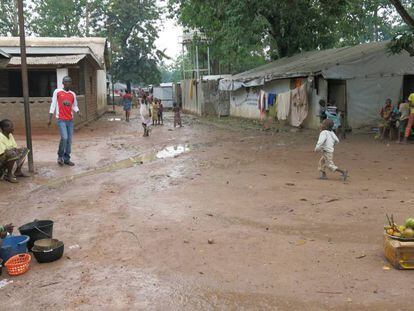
(49,60)
(203,97)
(164,92)
(4,59)
(359,79)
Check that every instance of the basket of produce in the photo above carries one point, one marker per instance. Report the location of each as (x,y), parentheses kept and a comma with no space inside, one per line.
(400,232)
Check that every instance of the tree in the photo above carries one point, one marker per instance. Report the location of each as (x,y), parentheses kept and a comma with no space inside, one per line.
(131,27)
(56,18)
(243,30)
(9,24)
(404,40)
(247,27)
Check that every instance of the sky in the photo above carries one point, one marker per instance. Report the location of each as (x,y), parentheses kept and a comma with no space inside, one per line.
(169,37)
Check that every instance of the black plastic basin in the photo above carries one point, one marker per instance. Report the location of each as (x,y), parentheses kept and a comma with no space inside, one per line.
(36,230)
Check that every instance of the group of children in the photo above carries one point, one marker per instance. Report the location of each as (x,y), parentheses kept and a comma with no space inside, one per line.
(151,112)
(397,118)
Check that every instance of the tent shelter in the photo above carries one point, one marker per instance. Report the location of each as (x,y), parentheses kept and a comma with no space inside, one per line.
(358,78)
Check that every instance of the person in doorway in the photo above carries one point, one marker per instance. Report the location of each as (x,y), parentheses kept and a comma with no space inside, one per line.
(127,104)
(410,122)
(63,105)
(145,116)
(326,144)
(177,115)
(404,110)
(385,114)
(11,157)
(160,112)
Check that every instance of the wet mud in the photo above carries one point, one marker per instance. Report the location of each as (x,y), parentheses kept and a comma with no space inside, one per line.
(218,215)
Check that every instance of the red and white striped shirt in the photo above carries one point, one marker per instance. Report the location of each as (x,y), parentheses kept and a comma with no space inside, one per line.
(63,104)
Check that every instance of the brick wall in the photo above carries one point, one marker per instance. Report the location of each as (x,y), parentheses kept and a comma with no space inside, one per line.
(12,108)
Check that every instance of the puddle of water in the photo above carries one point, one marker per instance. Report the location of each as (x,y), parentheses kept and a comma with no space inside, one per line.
(114,119)
(172,151)
(168,152)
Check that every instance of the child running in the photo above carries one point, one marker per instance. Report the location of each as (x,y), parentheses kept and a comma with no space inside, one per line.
(177,115)
(326,143)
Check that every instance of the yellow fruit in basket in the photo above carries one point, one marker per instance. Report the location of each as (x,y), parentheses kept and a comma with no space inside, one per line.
(390,231)
(387,227)
(401,228)
(408,233)
(397,234)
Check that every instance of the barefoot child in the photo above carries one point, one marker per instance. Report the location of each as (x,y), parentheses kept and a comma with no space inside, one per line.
(177,115)
(326,143)
(145,116)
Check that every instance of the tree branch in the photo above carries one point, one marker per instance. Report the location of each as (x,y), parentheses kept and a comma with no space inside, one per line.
(403,12)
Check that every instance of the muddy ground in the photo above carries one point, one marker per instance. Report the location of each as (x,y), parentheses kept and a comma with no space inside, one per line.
(136,234)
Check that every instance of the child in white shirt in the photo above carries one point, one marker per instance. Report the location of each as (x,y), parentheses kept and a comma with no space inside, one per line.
(326,143)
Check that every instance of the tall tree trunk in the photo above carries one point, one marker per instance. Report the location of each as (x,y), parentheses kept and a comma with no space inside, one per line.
(403,12)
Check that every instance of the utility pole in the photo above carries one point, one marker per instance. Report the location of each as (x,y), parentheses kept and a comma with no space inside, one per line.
(25,84)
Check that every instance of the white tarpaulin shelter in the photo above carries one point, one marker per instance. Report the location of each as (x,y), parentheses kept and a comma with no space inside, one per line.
(370,73)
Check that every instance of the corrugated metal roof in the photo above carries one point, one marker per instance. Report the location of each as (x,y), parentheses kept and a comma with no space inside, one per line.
(97,46)
(4,54)
(308,63)
(49,60)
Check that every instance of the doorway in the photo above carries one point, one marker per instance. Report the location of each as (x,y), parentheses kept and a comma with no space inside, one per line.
(408,86)
(337,95)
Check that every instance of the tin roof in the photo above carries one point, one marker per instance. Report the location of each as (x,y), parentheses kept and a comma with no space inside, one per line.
(308,63)
(4,54)
(49,60)
(97,47)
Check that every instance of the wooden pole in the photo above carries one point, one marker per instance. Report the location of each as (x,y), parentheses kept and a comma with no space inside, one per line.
(25,84)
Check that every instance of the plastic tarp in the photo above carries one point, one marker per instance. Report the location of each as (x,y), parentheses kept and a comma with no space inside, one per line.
(233,85)
(366,96)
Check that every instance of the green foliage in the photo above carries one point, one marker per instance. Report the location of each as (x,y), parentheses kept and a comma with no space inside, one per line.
(244,33)
(56,18)
(131,27)
(9,23)
(403,40)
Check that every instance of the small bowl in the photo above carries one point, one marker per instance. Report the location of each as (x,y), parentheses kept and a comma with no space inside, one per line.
(46,244)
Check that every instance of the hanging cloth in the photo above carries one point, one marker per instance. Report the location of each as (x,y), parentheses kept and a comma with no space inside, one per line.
(283,105)
(271,99)
(271,102)
(299,106)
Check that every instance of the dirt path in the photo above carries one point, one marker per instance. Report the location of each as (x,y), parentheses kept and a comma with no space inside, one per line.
(282,240)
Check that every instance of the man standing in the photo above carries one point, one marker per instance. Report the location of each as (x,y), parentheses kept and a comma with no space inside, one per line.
(64,103)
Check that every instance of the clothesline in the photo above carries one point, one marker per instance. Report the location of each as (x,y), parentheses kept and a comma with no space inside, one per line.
(292,105)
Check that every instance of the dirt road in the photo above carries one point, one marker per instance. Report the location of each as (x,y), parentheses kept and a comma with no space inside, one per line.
(137,234)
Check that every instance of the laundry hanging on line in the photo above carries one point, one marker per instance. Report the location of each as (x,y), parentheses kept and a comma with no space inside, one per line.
(299,107)
(283,105)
